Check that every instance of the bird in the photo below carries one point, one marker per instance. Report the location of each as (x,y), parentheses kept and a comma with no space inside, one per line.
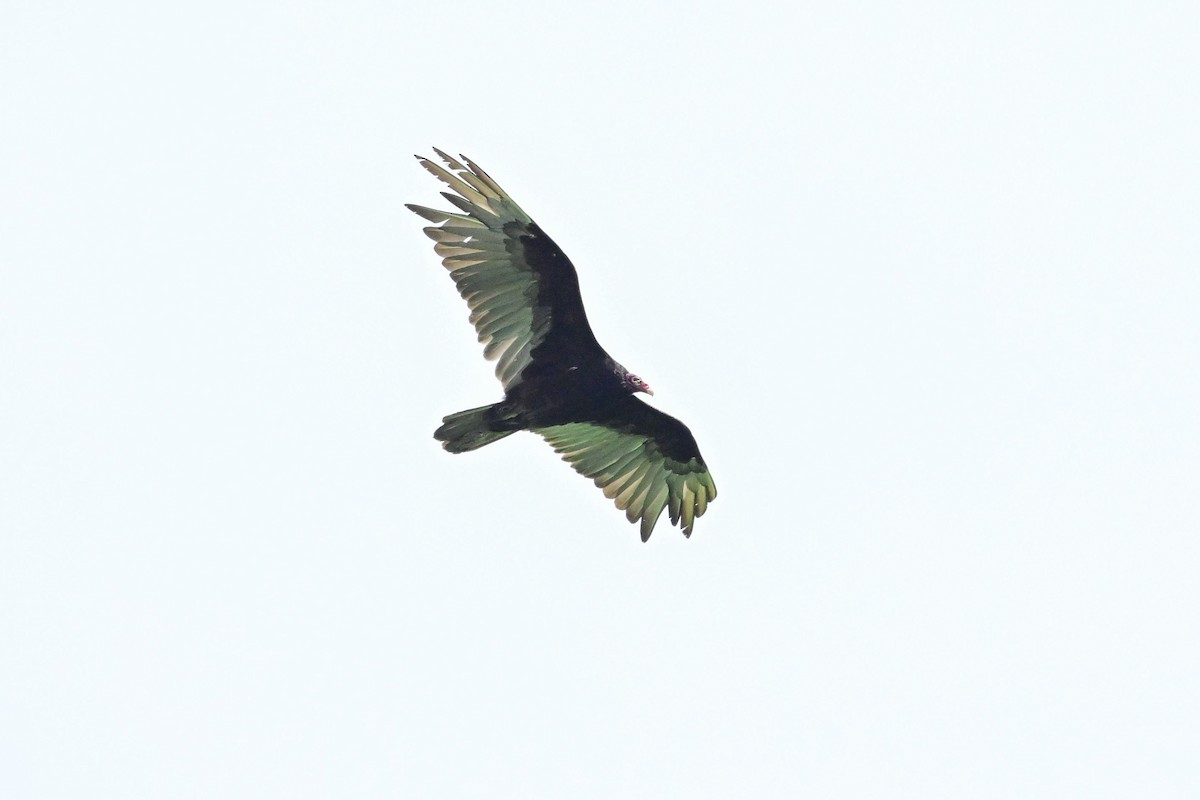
(559,383)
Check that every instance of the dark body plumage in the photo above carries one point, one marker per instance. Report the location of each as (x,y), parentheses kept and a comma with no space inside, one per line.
(559,382)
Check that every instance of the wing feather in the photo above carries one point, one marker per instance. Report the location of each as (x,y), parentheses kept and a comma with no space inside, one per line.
(483,176)
(435,216)
(654,508)
(636,502)
(504,266)
(644,461)
(617,489)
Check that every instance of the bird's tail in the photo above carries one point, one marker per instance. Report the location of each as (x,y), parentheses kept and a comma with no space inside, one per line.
(468,430)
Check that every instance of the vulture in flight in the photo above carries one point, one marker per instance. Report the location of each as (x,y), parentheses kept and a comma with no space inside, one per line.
(558,381)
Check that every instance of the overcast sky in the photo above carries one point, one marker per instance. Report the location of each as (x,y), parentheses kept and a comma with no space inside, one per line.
(923,279)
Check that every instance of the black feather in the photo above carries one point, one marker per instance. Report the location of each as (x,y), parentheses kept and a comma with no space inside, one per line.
(559,382)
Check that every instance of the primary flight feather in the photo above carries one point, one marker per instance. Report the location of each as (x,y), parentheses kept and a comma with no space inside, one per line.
(558,381)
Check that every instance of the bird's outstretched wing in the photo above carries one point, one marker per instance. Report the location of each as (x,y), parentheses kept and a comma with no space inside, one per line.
(522,289)
(643,459)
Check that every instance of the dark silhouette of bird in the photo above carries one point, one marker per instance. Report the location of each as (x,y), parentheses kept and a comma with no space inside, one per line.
(558,381)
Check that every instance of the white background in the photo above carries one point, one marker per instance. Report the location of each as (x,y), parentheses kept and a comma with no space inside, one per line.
(922,279)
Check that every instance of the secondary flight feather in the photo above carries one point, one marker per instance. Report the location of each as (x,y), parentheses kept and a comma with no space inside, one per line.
(558,381)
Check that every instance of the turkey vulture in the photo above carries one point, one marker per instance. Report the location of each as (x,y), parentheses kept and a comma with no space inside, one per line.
(558,381)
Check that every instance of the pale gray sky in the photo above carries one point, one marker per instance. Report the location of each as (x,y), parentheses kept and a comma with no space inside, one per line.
(923,281)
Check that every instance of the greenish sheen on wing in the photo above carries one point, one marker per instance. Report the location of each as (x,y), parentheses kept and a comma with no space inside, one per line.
(475,249)
(634,473)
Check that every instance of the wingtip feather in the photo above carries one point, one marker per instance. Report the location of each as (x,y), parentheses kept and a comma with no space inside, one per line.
(648,527)
(449,159)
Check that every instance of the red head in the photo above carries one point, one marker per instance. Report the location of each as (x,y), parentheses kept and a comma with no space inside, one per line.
(629,382)
(633,383)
